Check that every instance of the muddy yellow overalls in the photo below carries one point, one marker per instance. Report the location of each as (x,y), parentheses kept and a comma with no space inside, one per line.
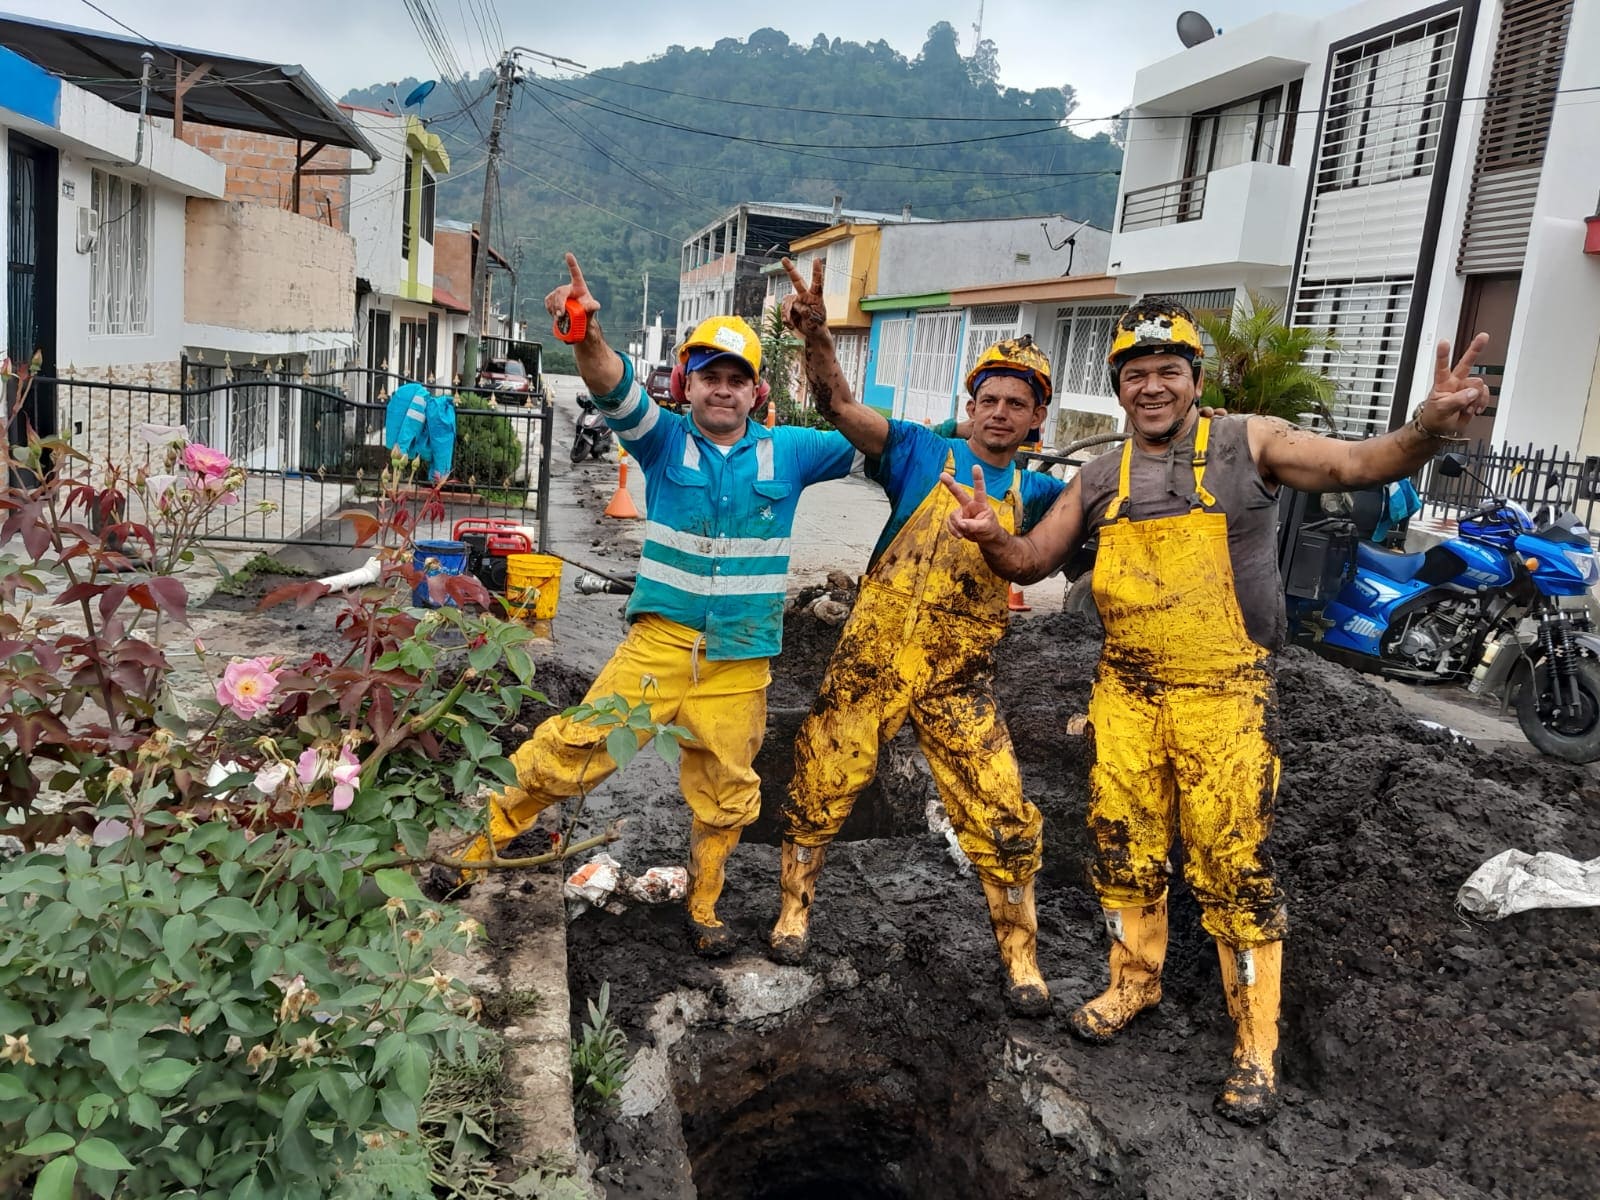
(918,644)
(1183,716)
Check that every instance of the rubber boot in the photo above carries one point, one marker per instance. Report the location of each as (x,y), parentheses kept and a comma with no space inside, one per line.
(797,883)
(709,847)
(1251,980)
(1138,948)
(1016,929)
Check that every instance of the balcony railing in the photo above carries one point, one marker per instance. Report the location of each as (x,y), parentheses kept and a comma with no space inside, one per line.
(1164,204)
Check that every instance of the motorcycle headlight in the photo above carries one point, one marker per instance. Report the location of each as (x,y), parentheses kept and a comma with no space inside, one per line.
(1585,563)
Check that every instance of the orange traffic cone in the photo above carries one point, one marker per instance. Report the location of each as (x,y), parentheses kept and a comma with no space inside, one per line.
(621,505)
(1015,601)
(771,418)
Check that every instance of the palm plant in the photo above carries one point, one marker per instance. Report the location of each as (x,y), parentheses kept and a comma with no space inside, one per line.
(1259,364)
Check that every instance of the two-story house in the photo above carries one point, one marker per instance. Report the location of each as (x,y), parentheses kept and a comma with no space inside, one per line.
(1394,173)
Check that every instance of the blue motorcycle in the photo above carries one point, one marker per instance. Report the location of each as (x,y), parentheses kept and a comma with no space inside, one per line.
(1501,607)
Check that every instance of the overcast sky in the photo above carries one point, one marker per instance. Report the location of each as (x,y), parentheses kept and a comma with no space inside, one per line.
(1095,45)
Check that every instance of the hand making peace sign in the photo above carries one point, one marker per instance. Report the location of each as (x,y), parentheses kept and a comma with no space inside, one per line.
(974,517)
(1458,395)
(804,311)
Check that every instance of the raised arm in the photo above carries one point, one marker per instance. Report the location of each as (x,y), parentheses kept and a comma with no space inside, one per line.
(1285,453)
(805,313)
(1025,559)
(598,363)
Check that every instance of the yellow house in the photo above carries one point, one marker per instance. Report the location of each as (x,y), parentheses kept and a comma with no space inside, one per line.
(849,252)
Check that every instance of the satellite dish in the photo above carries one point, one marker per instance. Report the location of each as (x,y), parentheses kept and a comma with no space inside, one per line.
(1192,29)
(421,92)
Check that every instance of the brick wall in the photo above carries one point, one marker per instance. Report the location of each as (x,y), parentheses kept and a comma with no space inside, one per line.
(261,171)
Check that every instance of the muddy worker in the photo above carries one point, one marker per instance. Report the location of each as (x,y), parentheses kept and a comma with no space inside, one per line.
(707,611)
(917,645)
(1183,713)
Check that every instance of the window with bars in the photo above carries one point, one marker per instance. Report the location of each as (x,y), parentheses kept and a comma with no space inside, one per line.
(1368,318)
(428,204)
(894,347)
(119,264)
(405,211)
(1386,100)
(1082,341)
(986,325)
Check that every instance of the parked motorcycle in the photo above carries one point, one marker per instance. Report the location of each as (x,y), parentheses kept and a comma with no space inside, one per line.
(1502,607)
(594,436)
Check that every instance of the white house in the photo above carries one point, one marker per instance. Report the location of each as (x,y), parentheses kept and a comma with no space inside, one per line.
(1396,174)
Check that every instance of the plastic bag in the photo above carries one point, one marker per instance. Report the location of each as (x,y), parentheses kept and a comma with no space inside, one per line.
(1515,881)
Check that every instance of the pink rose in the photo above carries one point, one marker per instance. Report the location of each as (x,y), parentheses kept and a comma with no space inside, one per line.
(308,768)
(346,775)
(247,685)
(205,462)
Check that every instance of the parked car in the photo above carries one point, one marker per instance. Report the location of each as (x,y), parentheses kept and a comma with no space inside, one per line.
(507,378)
(658,386)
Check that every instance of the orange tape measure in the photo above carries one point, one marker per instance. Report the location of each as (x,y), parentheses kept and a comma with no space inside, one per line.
(572,325)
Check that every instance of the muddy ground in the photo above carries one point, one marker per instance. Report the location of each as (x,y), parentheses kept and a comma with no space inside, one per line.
(1425,1054)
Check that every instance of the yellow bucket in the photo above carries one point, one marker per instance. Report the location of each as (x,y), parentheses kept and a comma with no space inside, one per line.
(533,586)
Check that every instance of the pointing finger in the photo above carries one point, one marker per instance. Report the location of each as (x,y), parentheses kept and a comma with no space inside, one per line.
(579,287)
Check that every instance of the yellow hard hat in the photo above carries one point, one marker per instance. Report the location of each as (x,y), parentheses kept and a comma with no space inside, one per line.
(1016,356)
(1154,325)
(722,335)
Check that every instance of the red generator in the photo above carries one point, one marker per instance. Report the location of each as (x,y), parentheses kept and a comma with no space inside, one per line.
(488,541)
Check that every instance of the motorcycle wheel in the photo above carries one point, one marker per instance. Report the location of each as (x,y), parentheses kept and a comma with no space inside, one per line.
(580,449)
(1574,737)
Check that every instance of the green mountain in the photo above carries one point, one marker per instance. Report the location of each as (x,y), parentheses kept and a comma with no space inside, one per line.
(619,165)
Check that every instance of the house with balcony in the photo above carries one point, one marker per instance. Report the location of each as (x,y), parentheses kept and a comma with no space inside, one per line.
(721,272)
(948,289)
(1394,173)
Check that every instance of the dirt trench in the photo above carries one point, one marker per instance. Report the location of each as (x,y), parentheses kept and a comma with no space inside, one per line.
(1425,1054)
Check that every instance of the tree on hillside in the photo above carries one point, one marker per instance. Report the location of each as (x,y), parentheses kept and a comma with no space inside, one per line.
(1260,366)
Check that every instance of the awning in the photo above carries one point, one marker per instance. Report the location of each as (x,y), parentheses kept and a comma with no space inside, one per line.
(188,85)
(1032,291)
(448,300)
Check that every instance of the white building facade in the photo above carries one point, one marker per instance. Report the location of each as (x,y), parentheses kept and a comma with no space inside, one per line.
(1395,174)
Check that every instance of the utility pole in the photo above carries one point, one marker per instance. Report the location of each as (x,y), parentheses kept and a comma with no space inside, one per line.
(506,75)
(644,316)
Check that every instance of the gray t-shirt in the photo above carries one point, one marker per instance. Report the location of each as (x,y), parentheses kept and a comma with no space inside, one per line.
(1160,485)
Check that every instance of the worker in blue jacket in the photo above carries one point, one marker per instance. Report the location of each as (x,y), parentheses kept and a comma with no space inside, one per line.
(707,611)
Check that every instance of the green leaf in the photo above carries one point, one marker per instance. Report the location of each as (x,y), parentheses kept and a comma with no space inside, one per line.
(177,939)
(481,658)
(667,748)
(520,662)
(118,1051)
(235,915)
(475,741)
(165,1076)
(622,744)
(11,1088)
(48,1143)
(411,1071)
(98,1152)
(398,1110)
(92,1109)
(294,1112)
(55,1181)
(501,768)
(388,1049)
(144,1111)
(394,882)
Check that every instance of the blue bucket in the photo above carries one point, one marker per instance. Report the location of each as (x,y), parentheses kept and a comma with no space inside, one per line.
(436,558)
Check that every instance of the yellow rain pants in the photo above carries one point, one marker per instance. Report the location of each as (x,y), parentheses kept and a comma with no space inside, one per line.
(723,704)
(918,645)
(1184,721)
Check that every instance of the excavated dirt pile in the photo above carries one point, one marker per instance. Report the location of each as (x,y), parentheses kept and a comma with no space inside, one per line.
(1425,1054)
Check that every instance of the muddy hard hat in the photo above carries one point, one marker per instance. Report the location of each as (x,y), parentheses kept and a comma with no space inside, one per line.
(721,336)
(1014,356)
(1154,325)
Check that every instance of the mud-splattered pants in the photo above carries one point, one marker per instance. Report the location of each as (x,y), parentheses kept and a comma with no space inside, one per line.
(722,704)
(898,659)
(1198,760)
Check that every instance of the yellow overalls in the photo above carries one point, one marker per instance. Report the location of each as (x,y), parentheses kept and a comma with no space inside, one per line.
(918,644)
(1183,717)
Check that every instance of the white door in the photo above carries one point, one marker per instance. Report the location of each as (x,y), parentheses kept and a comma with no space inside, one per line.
(894,350)
(935,354)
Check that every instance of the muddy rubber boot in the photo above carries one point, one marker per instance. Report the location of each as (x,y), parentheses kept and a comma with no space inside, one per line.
(1138,948)
(797,882)
(1016,929)
(709,847)
(1251,980)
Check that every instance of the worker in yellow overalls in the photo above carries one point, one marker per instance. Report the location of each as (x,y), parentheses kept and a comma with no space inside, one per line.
(918,645)
(1184,711)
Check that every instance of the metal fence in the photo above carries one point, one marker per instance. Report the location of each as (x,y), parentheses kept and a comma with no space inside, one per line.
(310,448)
(1164,204)
(1528,474)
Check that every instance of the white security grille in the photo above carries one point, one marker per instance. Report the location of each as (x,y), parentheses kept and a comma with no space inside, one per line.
(1083,339)
(987,324)
(119,264)
(851,350)
(1374,171)
(1528,57)
(935,349)
(894,347)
